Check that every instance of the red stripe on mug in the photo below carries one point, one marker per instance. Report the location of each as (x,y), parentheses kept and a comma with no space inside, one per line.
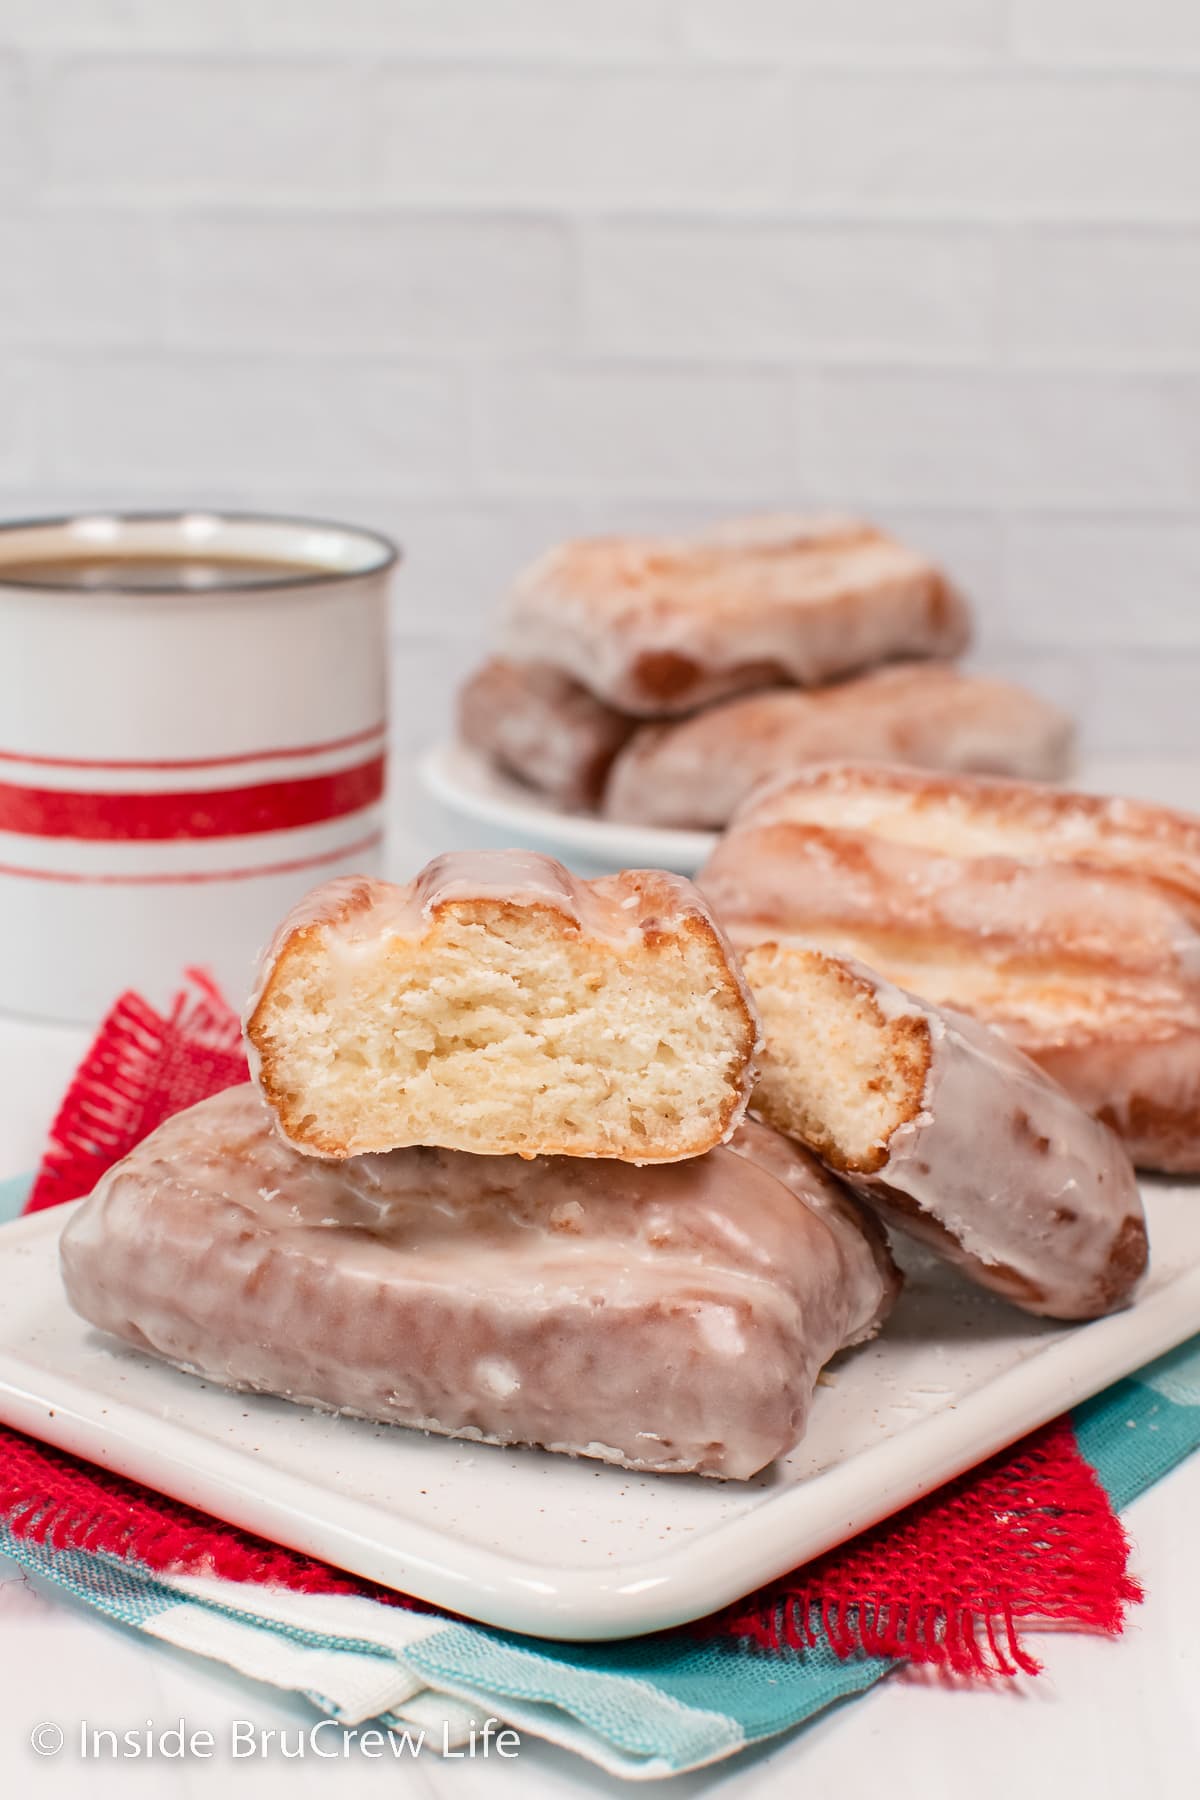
(189,877)
(197,762)
(200,813)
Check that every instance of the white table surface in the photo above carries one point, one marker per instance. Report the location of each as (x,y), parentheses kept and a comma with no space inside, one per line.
(1107,1719)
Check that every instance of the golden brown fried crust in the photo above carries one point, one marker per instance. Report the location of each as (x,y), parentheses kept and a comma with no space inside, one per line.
(664,674)
(1167,1136)
(1129,1261)
(285,960)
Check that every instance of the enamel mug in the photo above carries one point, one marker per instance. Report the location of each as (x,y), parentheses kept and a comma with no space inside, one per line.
(193,732)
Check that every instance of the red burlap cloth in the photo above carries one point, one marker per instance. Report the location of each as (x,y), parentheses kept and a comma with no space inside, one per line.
(140,1070)
(1028,1536)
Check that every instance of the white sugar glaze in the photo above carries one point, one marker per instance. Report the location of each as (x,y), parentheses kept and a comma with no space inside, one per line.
(357,909)
(1070,922)
(665,625)
(1038,1199)
(670,1318)
(697,771)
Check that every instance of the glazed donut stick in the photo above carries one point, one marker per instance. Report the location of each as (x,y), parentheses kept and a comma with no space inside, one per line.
(697,771)
(978,818)
(670,1319)
(1069,922)
(499,1005)
(950,1133)
(661,626)
(543,727)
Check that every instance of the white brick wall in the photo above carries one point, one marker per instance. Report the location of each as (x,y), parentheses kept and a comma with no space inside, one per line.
(15,127)
(17,460)
(366,283)
(1003,146)
(76,277)
(654,432)
(1019,438)
(171,423)
(188,128)
(867,30)
(487,271)
(742,291)
(1123,297)
(1151,31)
(1143,584)
(526,30)
(695,138)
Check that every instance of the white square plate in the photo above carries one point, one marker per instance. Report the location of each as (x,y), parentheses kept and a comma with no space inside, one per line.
(574,1549)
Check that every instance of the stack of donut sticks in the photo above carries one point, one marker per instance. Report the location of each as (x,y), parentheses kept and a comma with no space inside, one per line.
(655,681)
(497,1178)
(610,1167)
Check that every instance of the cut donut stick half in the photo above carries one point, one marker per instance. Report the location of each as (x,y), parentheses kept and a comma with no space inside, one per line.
(497,1004)
(949,1133)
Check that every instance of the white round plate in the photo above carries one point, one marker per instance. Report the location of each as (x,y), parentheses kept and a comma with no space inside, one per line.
(461,780)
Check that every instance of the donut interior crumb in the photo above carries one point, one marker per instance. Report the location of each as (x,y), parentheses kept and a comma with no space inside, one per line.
(835,1071)
(505,1029)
